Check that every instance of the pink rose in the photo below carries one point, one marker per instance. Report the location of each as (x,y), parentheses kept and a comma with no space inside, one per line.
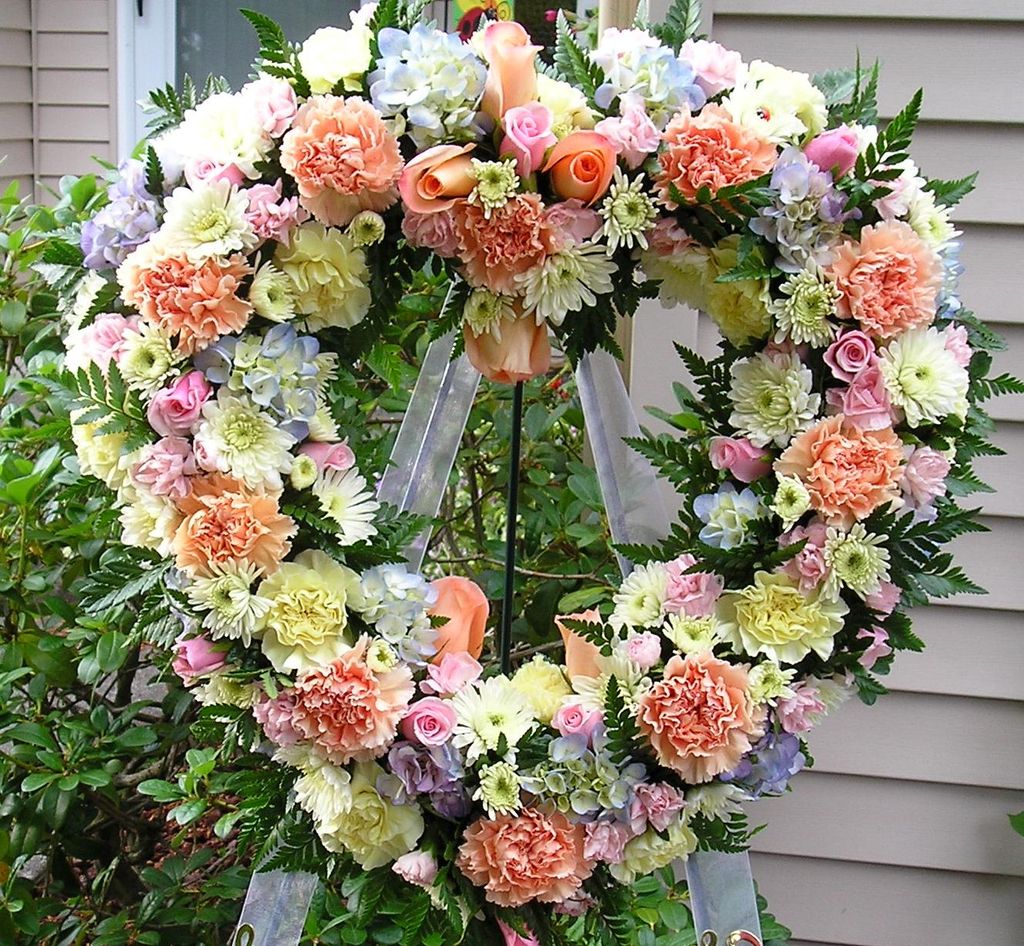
(527,136)
(271,216)
(329,456)
(573,718)
(693,594)
(432,231)
(570,223)
(644,649)
(798,713)
(632,134)
(924,477)
(99,343)
(808,565)
(884,600)
(196,657)
(717,68)
(200,171)
(512,938)
(657,805)
(273,100)
(605,841)
(865,401)
(455,671)
(166,466)
(878,648)
(850,354)
(957,345)
(834,150)
(429,722)
(175,410)
(740,457)
(416,867)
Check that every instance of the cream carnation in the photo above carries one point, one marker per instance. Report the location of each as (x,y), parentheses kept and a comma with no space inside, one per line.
(147,521)
(543,685)
(567,104)
(777,104)
(101,455)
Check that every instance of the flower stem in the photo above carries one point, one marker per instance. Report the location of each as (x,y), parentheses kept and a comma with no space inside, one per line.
(512,512)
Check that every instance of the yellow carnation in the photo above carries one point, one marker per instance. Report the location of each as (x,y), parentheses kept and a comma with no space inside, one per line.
(101,455)
(739,308)
(775,618)
(307,619)
(650,852)
(544,686)
(568,105)
(684,274)
(330,276)
(373,830)
(778,104)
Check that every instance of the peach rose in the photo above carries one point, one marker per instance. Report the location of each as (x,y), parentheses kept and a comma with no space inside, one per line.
(580,655)
(465,605)
(227,522)
(511,72)
(530,856)
(888,281)
(709,150)
(522,353)
(581,166)
(495,248)
(848,472)
(699,717)
(434,180)
(342,157)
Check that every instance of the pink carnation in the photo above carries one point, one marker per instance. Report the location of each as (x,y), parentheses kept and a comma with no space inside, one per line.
(740,457)
(799,712)
(924,477)
(275,716)
(455,671)
(348,711)
(175,410)
(632,133)
(864,401)
(569,223)
(717,68)
(884,600)
(877,649)
(274,102)
(165,467)
(657,805)
(99,343)
(432,231)
(693,594)
(429,722)
(808,565)
(573,718)
(849,354)
(416,867)
(957,344)
(606,842)
(272,216)
(644,649)
(329,456)
(667,238)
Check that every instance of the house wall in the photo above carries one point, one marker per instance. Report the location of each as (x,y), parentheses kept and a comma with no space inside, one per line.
(899,834)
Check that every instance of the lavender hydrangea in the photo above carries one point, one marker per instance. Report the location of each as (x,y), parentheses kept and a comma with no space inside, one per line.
(430,82)
(436,772)
(396,603)
(807,215)
(129,218)
(280,370)
(768,767)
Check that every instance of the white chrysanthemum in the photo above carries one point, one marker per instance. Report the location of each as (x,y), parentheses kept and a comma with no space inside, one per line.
(488,714)
(101,455)
(802,315)
(345,499)
(923,378)
(692,635)
(332,55)
(324,790)
(499,789)
(856,560)
(484,311)
(777,104)
(233,610)
(496,182)
(147,521)
(592,691)
(568,105)
(930,221)
(272,294)
(220,690)
(322,427)
(791,500)
(771,398)
(716,800)
(640,600)
(236,437)
(566,281)
(367,228)
(628,213)
(768,682)
(208,221)
(147,359)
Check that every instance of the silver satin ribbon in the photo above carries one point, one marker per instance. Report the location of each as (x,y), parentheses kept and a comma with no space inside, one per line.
(428,439)
(721,885)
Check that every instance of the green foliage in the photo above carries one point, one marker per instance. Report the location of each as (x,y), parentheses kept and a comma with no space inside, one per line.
(624,739)
(277,57)
(851,95)
(876,165)
(169,105)
(682,21)
(105,400)
(950,193)
(572,62)
(710,218)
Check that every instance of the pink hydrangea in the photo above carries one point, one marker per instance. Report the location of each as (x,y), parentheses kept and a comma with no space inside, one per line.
(273,216)
(632,133)
(456,670)
(808,565)
(692,594)
(799,712)
(166,466)
(275,716)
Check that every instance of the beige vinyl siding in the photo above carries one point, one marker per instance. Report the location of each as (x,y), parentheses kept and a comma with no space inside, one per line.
(899,837)
(16,92)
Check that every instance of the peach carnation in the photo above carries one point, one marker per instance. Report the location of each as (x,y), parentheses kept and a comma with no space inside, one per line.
(508,242)
(700,717)
(349,712)
(849,472)
(530,856)
(342,157)
(709,150)
(227,522)
(198,302)
(888,281)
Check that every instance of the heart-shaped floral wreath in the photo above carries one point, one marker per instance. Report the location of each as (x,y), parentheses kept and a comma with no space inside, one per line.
(261,236)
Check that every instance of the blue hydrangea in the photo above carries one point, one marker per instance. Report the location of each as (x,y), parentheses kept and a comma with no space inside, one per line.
(431,83)
(396,602)
(948,303)
(806,218)
(768,767)
(279,370)
(129,218)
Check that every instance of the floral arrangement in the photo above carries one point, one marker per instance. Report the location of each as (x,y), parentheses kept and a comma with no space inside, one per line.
(260,236)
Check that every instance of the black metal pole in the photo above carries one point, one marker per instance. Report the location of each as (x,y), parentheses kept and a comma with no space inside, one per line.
(512,511)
